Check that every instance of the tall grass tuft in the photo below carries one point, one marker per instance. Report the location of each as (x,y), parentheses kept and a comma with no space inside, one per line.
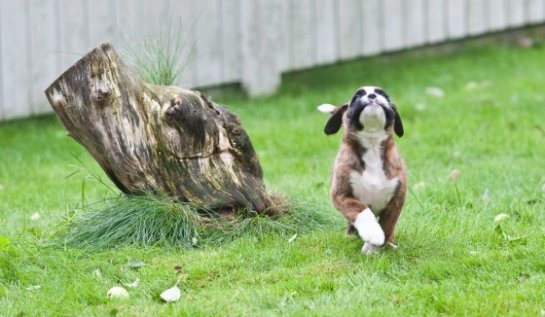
(157,58)
(151,220)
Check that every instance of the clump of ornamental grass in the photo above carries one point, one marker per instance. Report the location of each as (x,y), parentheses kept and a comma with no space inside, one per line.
(156,57)
(150,220)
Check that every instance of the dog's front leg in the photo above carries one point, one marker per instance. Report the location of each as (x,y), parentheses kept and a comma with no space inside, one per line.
(363,220)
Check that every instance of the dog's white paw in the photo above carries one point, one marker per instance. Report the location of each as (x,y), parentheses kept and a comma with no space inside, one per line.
(370,249)
(369,228)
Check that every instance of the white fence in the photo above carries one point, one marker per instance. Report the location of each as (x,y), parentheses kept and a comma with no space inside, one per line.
(247,41)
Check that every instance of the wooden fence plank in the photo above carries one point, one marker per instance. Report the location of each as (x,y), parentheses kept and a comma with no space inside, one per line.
(436,27)
(185,16)
(392,24)
(478,19)
(207,50)
(350,27)
(516,13)
(370,37)
(282,47)
(415,23)
(74,31)
(325,31)
(300,39)
(43,50)
(535,11)
(230,32)
(102,21)
(261,21)
(456,19)
(14,21)
(497,15)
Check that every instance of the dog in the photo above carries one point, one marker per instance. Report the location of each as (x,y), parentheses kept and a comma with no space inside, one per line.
(369,178)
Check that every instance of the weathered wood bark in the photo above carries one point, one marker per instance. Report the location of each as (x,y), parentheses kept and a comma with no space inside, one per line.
(158,138)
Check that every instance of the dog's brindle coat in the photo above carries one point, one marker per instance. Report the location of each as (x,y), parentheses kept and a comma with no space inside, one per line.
(385,197)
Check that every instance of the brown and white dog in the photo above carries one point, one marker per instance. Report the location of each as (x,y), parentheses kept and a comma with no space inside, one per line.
(369,174)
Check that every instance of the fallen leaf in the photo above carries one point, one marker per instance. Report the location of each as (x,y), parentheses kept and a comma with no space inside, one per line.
(501,218)
(516,239)
(117,292)
(486,195)
(472,85)
(435,92)
(523,277)
(292,238)
(454,174)
(326,108)
(172,294)
(133,284)
(419,186)
(97,273)
(136,264)
(35,216)
(420,107)
(392,245)
(178,269)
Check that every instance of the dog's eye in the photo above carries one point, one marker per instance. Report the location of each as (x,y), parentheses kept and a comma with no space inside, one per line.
(360,93)
(382,93)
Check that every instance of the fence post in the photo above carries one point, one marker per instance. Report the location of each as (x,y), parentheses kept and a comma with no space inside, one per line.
(260,22)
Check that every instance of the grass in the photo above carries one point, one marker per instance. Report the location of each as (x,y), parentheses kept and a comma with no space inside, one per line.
(451,259)
(156,57)
(151,220)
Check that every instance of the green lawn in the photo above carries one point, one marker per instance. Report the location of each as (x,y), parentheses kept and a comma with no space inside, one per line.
(490,125)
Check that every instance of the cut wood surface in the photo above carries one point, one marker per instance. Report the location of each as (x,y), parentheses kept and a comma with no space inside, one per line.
(158,138)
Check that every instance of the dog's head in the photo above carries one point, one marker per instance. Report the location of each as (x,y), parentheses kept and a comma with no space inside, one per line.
(369,110)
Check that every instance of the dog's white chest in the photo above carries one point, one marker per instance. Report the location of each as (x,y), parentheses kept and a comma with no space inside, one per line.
(372,186)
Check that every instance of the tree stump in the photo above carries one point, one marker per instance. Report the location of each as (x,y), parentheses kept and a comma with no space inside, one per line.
(161,139)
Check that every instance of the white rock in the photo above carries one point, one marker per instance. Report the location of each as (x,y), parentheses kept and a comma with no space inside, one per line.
(172,294)
(118,292)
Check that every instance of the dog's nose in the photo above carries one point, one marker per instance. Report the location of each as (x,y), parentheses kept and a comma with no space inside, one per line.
(371,96)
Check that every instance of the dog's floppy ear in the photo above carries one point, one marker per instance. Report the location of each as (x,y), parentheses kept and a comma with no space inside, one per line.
(398,124)
(335,122)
